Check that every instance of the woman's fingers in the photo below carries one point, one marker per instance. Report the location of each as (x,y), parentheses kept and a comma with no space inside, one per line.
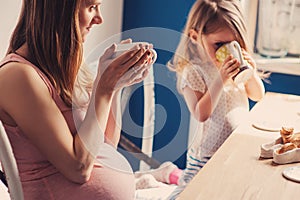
(108,52)
(128,68)
(141,77)
(126,41)
(135,58)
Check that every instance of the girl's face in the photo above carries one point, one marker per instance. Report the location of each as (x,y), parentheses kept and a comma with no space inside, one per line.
(89,14)
(211,42)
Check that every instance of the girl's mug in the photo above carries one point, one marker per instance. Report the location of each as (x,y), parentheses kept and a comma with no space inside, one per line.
(234,49)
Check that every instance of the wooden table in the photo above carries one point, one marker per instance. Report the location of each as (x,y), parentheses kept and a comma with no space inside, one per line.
(236,171)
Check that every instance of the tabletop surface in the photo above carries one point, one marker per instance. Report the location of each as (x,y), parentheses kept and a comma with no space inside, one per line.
(236,170)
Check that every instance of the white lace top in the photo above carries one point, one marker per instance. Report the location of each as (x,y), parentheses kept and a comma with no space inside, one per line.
(233,105)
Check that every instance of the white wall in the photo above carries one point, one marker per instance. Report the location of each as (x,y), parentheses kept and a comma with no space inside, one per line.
(9,12)
(112,12)
(250,11)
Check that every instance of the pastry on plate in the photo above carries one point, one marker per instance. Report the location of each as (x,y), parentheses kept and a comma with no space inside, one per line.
(290,139)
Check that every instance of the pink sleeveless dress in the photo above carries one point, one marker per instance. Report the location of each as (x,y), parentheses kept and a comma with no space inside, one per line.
(42,181)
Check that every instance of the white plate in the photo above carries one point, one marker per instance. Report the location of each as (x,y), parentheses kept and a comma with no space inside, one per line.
(268,126)
(292,173)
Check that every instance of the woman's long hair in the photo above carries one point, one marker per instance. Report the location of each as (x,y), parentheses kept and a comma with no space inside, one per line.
(50,28)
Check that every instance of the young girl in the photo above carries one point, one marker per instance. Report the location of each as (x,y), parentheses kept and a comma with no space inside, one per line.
(207,85)
(64,144)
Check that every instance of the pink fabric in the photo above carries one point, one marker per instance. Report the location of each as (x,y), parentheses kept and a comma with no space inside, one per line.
(174,176)
(42,181)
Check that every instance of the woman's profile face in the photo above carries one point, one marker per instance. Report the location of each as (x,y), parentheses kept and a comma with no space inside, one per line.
(89,15)
(211,42)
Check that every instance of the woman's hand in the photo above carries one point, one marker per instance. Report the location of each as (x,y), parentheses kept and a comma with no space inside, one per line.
(129,68)
(229,68)
(126,41)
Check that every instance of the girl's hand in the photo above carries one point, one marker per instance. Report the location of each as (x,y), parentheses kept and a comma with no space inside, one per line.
(247,57)
(229,68)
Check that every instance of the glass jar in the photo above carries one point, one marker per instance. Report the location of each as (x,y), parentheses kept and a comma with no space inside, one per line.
(274,24)
(294,39)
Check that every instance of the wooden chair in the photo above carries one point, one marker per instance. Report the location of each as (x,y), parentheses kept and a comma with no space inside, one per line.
(144,154)
(11,176)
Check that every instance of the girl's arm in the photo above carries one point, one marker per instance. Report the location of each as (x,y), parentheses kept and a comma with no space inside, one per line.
(254,86)
(202,105)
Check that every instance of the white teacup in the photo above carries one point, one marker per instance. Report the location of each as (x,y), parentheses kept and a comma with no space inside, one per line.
(234,48)
(121,48)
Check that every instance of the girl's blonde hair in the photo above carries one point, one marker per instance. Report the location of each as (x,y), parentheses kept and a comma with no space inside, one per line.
(206,17)
(50,28)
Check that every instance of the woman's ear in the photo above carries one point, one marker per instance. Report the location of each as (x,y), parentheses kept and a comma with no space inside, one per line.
(193,34)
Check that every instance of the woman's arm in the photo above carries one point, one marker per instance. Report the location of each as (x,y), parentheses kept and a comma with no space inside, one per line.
(26,99)
(114,123)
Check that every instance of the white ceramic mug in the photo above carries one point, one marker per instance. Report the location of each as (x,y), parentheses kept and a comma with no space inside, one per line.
(234,48)
(121,48)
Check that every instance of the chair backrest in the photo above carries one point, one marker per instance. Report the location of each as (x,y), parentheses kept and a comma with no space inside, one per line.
(144,154)
(9,165)
(149,118)
(2,178)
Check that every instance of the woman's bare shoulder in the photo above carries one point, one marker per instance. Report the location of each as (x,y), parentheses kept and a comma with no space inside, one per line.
(13,69)
(16,72)
(20,78)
